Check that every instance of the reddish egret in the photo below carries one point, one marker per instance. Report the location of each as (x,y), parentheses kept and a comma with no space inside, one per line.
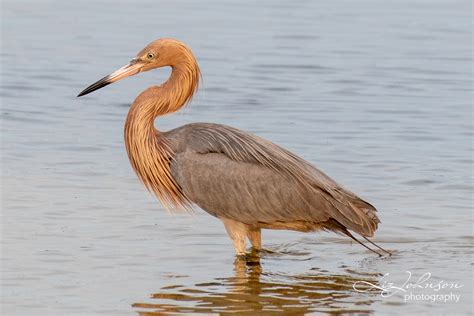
(247,182)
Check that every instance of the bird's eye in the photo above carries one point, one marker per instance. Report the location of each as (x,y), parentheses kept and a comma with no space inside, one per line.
(150,55)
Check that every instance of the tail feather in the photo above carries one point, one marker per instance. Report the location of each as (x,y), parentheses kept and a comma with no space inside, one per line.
(354,213)
(334,226)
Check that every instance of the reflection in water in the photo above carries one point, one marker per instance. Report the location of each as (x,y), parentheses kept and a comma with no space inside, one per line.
(252,291)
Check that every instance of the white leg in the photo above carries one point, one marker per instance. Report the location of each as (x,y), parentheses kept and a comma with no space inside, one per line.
(237,232)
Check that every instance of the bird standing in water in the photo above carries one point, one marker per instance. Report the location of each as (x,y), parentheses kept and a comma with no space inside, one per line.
(247,182)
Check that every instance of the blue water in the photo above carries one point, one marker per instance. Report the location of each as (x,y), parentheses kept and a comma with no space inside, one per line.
(377,94)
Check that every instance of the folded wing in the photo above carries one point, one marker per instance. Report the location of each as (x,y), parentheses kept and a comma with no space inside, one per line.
(237,175)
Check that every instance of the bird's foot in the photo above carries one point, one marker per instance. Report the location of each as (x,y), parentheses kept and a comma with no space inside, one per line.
(251,258)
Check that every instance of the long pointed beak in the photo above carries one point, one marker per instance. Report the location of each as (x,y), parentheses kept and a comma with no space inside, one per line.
(132,68)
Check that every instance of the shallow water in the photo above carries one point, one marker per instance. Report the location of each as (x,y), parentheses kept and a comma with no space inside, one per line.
(377,94)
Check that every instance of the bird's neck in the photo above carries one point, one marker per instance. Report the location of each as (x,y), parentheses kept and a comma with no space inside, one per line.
(147,149)
(172,95)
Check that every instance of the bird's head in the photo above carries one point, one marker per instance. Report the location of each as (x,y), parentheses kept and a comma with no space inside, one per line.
(160,53)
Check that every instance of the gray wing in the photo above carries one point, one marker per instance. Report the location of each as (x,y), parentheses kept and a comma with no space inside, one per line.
(244,192)
(233,174)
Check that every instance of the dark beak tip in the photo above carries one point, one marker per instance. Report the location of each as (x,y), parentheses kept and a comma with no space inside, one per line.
(82,93)
(95,86)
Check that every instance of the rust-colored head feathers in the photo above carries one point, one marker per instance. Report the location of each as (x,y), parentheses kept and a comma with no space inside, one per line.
(166,52)
(151,158)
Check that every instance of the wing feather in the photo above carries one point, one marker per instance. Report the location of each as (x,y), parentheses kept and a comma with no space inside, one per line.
(232,173)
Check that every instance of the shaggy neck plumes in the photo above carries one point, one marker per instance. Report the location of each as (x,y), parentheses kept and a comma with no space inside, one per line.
(147,150)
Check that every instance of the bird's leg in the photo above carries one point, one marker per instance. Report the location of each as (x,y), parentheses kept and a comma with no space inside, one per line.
(237,232)
(254,234)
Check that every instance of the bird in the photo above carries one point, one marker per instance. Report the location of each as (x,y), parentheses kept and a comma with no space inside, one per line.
(247,182)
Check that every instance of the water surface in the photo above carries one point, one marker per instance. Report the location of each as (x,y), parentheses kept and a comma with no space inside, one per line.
(377,94)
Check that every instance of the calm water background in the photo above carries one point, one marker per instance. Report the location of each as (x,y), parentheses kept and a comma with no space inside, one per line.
(375,93)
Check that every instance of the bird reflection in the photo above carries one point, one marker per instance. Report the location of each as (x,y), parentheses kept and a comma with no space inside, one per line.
(250,291)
